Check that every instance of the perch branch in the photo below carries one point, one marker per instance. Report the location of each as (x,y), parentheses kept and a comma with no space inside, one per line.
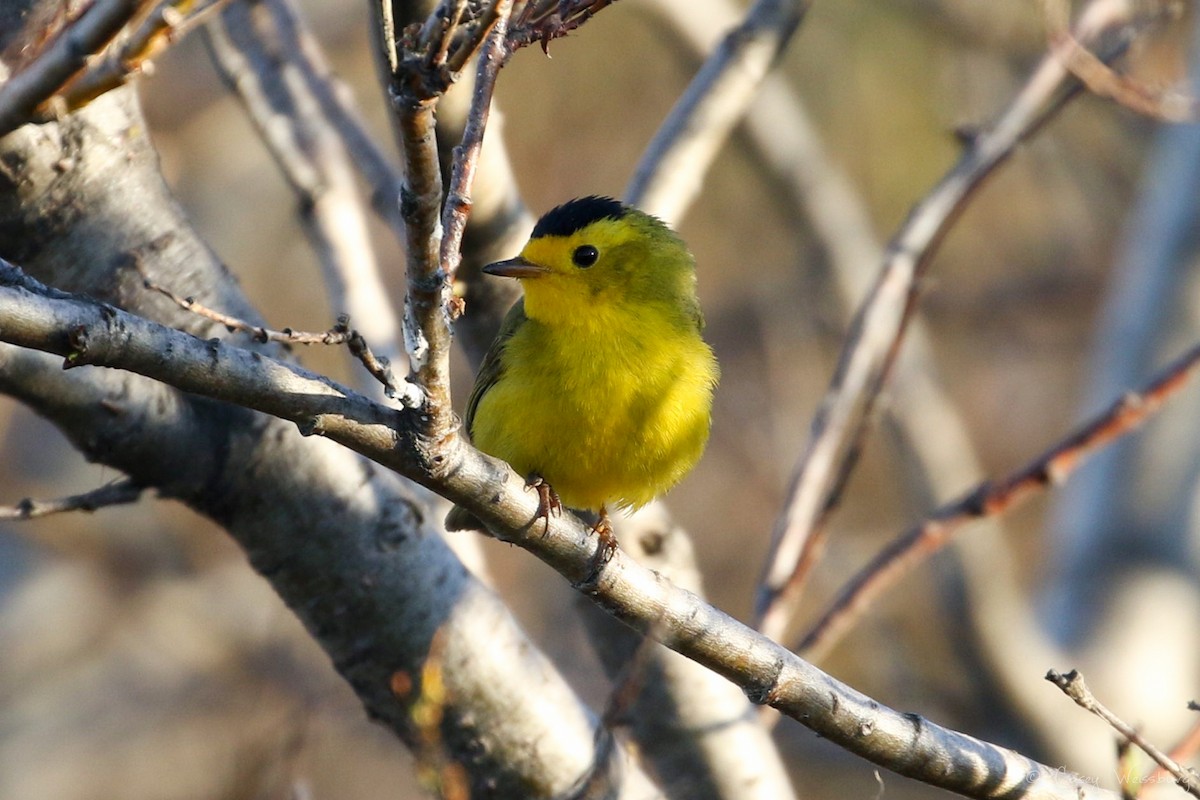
(90,333)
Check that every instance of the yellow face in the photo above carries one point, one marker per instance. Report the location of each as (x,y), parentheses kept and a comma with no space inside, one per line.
(609,265)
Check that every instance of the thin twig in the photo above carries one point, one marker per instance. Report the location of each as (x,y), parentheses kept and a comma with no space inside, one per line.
(492,57)
(65,56)
(256,55)
(841,424)
(673,166)
(988,499)
(1167,105)
(120,492)
(170,21)
(1074,687)
(341,333)
(1187,747)
(339,109)
(546,20)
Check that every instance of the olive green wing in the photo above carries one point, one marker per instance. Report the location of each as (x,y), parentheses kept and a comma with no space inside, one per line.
(493,361)
(490,370)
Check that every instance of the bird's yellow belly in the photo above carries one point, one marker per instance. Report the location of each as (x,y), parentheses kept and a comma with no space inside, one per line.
(600,436)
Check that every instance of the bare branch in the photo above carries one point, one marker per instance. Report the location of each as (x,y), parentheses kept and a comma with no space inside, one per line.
(260,64)
(341,333)
(1074,687)
(841,423)
(120,492)
(351,547)
(158,30)
(62,59)
(89,333)
(545,20)
(696,730)
(422,73)
(492,56)
(1101,79)
(1185,748)
(338,108)
(672,168)
(989,499)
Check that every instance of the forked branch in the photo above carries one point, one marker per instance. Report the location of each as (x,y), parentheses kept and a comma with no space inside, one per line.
(991,498)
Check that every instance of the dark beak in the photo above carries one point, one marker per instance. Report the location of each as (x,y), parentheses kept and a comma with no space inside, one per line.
(515,268)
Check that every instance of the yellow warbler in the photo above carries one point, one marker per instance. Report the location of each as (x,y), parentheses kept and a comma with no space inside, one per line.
(598,386)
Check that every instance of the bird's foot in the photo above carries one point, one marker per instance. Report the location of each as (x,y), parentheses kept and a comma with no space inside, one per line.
(608,538)
(548,502)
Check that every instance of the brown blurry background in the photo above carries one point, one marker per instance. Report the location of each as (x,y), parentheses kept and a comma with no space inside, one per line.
(140,658)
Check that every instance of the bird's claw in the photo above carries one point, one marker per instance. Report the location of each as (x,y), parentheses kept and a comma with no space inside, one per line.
(608,538)
(548,501)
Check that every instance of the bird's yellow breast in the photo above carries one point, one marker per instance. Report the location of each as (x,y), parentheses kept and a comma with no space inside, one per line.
(612,408)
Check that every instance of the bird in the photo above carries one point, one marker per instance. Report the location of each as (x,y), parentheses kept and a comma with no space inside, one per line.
(598,387)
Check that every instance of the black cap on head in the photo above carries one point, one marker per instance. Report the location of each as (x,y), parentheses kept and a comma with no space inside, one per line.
(575,214)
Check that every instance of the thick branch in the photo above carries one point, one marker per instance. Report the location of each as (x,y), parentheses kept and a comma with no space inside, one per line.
(87,333)
(348,547)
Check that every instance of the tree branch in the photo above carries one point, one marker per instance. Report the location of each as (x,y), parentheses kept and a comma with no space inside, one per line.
(841,423)
(1074,687)
(64,57)
(353,550)
(119,492)
(672,168)
(87,333)
(158,30)
(988,499)
(260,64)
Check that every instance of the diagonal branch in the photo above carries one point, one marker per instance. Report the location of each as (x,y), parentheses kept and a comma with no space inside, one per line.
(672,168)
(991,498)
(86,332)
(351,548)
(492,57)
(1074,687)
(163,26)
(339,334)
(63,58)
(841,424)
(338,107)
(255,48)
(119,492)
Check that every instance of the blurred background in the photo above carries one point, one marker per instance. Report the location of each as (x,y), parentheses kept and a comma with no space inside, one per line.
(140,657)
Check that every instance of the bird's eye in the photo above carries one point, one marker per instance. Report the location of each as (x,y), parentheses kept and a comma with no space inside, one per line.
(585,255)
